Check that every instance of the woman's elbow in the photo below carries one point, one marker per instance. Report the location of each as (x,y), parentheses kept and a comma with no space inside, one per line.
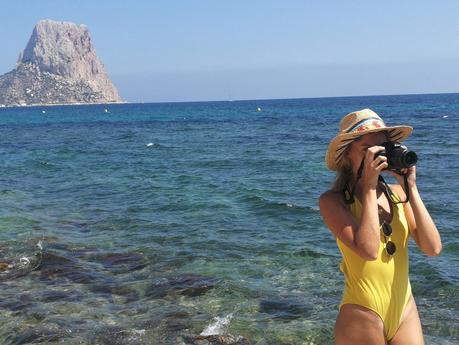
(369,254)
(435,251)
(367,251)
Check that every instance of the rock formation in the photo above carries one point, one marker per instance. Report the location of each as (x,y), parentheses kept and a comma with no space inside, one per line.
(58,66)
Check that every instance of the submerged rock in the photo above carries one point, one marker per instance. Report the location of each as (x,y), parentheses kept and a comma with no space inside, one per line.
(116,288)
(23,302)
(171,323)
(285,309)
(20,265)
(41,334)
(56,266)
(186,284)
(114,335)
(120,262)
(58,295)
(224,339)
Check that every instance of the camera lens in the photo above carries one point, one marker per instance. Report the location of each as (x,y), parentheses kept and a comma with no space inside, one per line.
(410,158)
(398,155)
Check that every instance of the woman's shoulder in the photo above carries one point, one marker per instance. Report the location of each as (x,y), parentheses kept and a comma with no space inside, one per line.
(330,198)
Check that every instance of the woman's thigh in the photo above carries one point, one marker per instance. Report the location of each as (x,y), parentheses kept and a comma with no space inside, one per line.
(357,325)
(410,330)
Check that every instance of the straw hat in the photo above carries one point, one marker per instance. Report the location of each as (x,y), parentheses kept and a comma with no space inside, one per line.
(355,124)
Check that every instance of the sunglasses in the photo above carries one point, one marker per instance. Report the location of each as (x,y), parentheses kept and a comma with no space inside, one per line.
(390,246)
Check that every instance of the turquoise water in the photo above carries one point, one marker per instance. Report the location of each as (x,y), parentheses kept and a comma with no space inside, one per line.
(161,221)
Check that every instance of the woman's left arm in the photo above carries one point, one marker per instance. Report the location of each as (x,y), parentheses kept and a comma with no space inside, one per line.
(421,225)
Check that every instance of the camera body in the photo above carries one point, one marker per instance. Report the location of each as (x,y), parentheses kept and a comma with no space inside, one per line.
(398,156)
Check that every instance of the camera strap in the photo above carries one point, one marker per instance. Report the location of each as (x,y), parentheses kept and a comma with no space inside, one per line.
(390,194)
(349,192)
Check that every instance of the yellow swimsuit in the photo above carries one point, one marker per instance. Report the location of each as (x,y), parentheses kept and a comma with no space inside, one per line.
(382,285)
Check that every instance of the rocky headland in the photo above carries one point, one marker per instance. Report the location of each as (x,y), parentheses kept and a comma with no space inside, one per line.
(59,65)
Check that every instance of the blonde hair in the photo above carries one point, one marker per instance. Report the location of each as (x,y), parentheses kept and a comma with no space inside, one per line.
(344,171)
(343,175)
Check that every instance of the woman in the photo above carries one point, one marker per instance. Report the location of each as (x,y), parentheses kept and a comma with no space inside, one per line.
(372,222)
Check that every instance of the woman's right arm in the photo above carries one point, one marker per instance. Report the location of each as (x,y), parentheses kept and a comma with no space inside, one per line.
(362,238)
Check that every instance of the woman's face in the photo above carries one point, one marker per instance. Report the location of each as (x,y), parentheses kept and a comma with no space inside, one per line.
(359,147)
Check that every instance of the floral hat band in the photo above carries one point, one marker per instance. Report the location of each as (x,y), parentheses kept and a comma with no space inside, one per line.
(366,124)
(356,124)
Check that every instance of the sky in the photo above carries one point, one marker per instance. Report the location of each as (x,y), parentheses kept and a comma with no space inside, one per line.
(168,51)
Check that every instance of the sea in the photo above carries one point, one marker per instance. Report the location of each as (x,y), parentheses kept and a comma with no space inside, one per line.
(198,223)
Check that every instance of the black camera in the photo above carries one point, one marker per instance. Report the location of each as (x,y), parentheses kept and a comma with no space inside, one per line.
(398,155)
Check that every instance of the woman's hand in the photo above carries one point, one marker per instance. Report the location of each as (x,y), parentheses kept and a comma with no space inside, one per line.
(372,167)
(410,174)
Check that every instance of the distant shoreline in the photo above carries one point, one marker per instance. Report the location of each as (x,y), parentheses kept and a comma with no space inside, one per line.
(4,106)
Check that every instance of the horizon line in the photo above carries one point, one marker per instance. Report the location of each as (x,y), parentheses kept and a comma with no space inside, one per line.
(287,98)
(221,101)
